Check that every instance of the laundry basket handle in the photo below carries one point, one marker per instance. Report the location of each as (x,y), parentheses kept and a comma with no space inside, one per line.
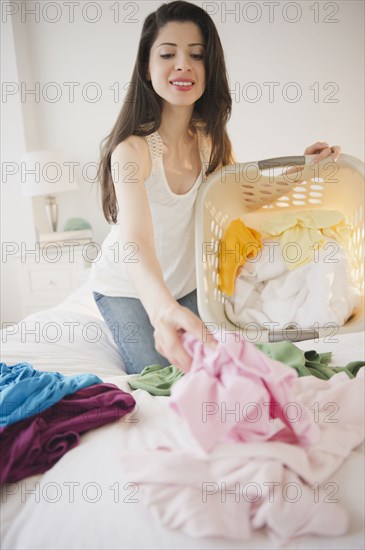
(279,162)
(293,335)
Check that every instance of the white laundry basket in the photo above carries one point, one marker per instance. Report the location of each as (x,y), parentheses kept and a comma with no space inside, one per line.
(257,191)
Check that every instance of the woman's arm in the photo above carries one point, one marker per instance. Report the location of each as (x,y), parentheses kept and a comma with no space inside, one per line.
(167,316)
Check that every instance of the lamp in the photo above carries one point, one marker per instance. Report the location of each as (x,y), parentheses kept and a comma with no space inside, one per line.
(47,173)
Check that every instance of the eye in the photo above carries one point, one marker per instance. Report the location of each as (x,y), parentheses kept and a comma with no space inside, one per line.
(166,55)
(197,56)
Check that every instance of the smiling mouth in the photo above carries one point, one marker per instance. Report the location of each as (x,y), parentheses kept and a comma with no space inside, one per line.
(182,83)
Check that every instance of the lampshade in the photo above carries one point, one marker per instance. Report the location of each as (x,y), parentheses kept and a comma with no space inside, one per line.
(46,173)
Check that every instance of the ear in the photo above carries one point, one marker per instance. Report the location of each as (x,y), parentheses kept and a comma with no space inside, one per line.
(148,76)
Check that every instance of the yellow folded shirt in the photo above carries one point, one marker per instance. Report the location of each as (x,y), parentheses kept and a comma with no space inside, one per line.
(301,234)
(238,243)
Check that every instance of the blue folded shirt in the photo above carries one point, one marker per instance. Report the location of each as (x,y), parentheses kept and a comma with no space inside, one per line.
(25,391)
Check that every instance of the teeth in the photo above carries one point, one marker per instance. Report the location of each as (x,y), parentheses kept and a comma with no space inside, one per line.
(177,83)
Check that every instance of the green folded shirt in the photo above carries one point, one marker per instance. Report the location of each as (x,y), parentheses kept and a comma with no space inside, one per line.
(307,363)
(156,379)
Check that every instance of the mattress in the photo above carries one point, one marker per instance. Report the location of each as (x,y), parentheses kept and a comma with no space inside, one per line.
(86,500)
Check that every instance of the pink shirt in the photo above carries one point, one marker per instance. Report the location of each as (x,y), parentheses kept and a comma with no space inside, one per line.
(236,393)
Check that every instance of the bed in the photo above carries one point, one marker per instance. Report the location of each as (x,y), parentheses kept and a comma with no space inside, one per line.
(105,508)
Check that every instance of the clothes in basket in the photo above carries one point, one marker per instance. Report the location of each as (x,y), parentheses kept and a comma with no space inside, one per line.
(301,277)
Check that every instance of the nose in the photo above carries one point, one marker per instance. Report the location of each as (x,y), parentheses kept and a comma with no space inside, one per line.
(183,63)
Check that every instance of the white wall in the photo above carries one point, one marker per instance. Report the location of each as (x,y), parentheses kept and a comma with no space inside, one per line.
(17,225)
(316,46)
(303,53)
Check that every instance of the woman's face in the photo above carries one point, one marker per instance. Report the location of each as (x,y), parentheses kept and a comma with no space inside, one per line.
(176,65)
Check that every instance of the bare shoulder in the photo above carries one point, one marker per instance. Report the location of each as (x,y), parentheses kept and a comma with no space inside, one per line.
(134,149)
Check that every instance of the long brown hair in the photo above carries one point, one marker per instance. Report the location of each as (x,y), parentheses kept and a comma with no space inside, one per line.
(141,112)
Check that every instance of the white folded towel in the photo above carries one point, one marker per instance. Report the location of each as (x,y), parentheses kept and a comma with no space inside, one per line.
(312,295)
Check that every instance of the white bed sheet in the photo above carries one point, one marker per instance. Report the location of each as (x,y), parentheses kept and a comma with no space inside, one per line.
(41,512)
(69,338)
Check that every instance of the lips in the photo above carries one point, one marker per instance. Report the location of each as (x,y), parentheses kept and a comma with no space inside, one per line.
(182,84)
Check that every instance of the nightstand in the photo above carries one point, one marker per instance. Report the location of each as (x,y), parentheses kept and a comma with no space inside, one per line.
(47,275)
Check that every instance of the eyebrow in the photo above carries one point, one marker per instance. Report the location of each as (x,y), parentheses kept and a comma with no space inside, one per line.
(172,44)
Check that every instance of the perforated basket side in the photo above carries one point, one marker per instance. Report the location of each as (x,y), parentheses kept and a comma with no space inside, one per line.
(242,190)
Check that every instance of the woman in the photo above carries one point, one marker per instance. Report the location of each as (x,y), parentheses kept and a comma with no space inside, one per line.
(170,134)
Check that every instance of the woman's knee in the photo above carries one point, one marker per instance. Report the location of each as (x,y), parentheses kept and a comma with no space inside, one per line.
(132,332)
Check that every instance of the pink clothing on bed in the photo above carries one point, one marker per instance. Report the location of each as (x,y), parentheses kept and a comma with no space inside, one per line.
(238,488)
(237,393)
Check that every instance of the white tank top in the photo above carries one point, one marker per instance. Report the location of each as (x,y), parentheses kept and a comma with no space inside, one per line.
(173,226)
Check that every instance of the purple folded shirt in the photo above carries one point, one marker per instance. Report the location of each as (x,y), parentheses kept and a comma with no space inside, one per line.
(32,446)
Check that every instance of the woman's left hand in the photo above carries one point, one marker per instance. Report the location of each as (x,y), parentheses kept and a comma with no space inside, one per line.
(323,150)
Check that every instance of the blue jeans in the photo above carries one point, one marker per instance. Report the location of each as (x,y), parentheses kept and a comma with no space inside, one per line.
(132,331)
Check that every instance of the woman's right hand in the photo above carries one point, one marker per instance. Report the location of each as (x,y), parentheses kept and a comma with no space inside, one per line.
(170,324)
